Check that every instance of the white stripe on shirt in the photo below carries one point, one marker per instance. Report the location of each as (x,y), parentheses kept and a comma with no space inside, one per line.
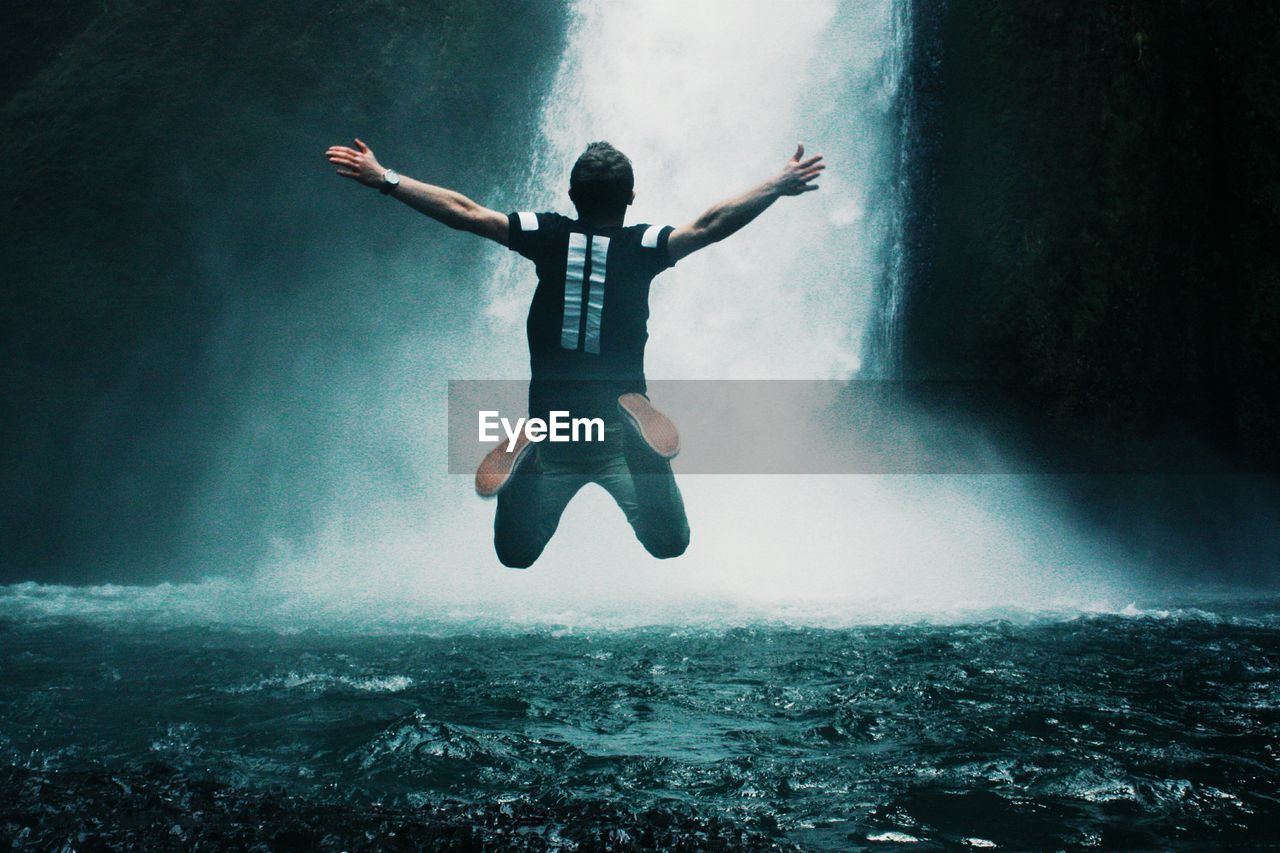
(577,260)
(595,294)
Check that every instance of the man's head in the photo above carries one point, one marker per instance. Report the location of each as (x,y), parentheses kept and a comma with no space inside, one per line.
(601,183)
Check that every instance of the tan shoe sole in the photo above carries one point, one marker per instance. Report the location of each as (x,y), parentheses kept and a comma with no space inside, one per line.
(496,467)
(655,428)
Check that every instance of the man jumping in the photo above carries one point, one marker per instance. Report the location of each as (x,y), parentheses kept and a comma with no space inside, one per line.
(587,329)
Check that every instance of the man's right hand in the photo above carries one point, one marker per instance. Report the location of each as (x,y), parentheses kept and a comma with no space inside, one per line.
(359,165)
(443,205)
(798,174)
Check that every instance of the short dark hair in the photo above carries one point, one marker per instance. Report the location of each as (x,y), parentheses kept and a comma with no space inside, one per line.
(601,181)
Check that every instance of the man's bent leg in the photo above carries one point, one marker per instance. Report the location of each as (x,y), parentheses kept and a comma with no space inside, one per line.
(529,510)
(645,488)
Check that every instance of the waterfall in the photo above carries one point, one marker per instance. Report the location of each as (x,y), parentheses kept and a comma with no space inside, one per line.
(709,98)
(883,349)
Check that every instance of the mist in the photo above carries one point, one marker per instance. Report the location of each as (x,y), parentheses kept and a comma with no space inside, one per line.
(704,111)
(277,428)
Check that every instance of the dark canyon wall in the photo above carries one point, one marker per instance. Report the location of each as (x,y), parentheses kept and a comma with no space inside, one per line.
(1093,237)
(176,249)
(1097,210)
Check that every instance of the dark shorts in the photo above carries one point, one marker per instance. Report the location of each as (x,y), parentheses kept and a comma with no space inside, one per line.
(530,506)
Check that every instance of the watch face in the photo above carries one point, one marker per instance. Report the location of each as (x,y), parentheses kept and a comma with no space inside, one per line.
(390,177)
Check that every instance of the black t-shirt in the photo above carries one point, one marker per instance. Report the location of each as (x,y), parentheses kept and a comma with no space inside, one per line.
(588,322)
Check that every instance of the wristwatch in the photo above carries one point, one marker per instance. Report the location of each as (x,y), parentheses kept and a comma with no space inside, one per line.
(390,180)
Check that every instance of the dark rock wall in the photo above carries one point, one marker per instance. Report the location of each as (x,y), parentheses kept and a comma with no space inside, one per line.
(1096,215)
(174,244)
(1093,239)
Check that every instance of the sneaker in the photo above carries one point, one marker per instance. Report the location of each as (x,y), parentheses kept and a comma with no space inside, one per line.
(655,428)
(498,465)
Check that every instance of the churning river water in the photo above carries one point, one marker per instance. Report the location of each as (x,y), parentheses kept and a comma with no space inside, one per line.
(1131,729)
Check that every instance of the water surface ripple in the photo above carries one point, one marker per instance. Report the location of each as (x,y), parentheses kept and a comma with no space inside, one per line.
(1112,731)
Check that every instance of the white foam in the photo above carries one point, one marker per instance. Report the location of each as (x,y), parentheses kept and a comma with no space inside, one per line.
(270,601)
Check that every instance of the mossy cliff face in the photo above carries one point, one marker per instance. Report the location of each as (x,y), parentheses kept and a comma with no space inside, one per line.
(176,249)
(1096,211)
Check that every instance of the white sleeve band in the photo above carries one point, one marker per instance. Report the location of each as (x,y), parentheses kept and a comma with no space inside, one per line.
(528,221)
(650,238)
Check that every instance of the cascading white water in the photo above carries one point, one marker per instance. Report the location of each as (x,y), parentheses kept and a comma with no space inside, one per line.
(708,98)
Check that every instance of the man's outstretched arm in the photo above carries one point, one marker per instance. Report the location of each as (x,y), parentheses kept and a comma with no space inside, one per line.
(728,216)
(452,208)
